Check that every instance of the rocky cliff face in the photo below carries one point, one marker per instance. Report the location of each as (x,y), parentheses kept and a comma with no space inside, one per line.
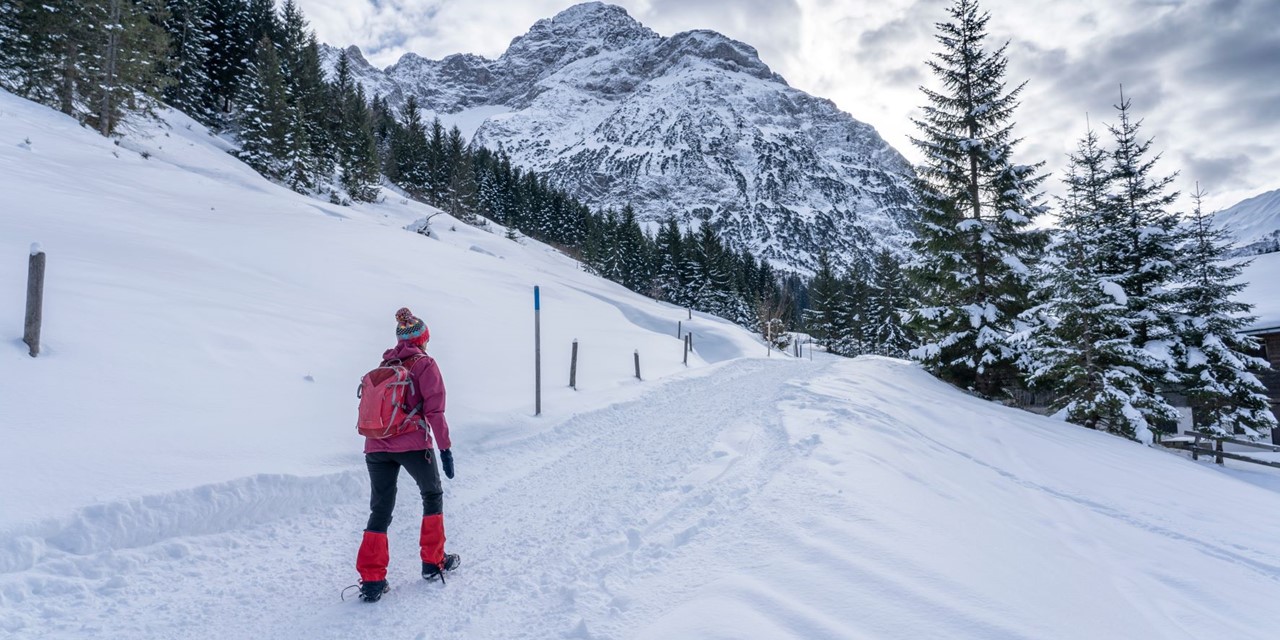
(693,126)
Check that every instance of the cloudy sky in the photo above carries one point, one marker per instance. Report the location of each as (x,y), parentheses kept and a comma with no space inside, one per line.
(1203,74)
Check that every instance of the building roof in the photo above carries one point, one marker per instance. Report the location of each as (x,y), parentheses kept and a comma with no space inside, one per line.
(1263,292)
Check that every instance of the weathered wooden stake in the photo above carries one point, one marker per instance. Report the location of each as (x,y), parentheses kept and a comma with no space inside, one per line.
(35,300)
(638,365)
(573,368)
(690,310)
(686,350)
(1218,448)
(537,352)
(690,334)
(680,329)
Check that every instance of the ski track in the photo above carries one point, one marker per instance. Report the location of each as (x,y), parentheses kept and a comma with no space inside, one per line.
(551,536)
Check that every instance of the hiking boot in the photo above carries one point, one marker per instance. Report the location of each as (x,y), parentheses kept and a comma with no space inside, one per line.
(371,591)
(432,571)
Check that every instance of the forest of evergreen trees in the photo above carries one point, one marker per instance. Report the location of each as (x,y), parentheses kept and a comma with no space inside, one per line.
(1123,307)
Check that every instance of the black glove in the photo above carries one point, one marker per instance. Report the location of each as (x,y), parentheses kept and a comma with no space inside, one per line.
(446,459)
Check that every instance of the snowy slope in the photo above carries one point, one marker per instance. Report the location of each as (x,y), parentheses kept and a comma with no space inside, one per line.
(1253,223)
(169,471)
(202,324)
(693,125)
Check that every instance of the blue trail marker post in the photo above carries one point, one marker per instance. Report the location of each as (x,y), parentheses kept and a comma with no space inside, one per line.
(537,352)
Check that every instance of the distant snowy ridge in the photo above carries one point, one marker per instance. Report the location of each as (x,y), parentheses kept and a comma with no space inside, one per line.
(1254,224)
(693,125)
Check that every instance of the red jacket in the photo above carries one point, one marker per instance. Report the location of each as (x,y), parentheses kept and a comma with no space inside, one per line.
(428,388)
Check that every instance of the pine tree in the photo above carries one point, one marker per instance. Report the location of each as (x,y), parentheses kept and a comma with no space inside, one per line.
(1218,370)
(229,52)
(1081,346)
(187,64)
(261,21)
(826,297)
(634,252)
(462,197)
(120,60)
(975,242)
(850,337)
(408,164)
(265,118)
(1148,246)
(436,182)
(13,44)
(669,256)
(41,60)
(887,300)
(360,163)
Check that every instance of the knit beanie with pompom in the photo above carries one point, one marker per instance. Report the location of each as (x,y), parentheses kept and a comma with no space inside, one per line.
(409,326)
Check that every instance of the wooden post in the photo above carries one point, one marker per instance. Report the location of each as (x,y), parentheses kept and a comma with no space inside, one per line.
(690,334)
(686,350)
(690,310)
(1218,448)
(573,367)
(537,352)
(680,329)
(638,365)
(1195,447)
(35,300)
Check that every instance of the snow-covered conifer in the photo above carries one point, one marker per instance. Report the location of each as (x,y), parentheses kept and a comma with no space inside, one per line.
(1082,345)
(826,296)
(888,298)
(976,240)
(187,63)
(1218,367)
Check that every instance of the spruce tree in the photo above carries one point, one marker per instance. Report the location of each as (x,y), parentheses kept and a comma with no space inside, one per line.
(975,242)
(1081,347)
(187,64)
(13,44)
(826,298)
(408,162)
(120,59)
(1148,245)
(1218,368)
(360,163)
(264,116)
(462,197)
(887,300)
(669,250)
(229,52)
(852,313)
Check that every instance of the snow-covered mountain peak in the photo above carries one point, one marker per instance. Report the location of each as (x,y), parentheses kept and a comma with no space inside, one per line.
(718,49)
(589,22)
(693,125)
(1254,224)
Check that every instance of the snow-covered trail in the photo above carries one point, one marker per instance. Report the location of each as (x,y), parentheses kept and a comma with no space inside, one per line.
(554,531)
(757,498)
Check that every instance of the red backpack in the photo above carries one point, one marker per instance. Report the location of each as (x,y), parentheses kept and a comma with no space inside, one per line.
(383,393)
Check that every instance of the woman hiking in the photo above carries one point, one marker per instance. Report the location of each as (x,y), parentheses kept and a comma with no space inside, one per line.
(400,401)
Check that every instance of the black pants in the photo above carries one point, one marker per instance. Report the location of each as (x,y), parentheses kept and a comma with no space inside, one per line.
(384,468)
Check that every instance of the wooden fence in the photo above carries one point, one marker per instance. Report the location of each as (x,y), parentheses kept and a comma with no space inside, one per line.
(1212,446)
